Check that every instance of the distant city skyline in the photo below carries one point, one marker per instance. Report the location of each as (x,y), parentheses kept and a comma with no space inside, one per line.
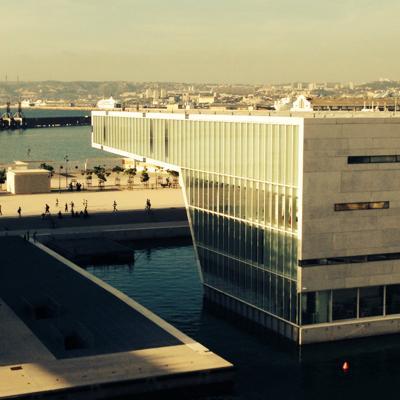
(226,41)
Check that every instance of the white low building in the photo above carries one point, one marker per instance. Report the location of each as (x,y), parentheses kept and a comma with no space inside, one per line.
(28,181)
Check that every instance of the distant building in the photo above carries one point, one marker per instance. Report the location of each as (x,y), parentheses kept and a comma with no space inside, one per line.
(301,104)
(283,104)
(204,99)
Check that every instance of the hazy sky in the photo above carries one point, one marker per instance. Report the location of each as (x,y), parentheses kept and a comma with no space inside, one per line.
(243,41)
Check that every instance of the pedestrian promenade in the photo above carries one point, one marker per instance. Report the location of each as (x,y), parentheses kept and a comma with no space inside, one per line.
(98,201)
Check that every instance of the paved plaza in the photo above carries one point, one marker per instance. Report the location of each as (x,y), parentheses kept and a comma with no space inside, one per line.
(98,201)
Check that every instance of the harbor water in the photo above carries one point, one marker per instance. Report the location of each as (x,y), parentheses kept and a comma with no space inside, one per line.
(48,144)
(165,279)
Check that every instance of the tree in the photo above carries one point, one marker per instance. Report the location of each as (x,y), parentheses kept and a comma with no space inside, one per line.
(145,176)
(131,172)
(3,176)
(173,173)
(117,169)
(101,174)
(175,177)
(48,167)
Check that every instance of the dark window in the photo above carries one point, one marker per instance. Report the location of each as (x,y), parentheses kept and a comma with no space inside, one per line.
(166,134)
(344,304)
(371,301)
(315,307)
(362,206)
(151,137)
(349,259)
(373,159)
(393,299)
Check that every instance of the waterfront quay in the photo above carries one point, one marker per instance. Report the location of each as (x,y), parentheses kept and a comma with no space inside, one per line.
(80,338)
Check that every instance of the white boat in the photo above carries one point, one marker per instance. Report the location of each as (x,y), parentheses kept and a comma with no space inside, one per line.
(108,104)
(26,103)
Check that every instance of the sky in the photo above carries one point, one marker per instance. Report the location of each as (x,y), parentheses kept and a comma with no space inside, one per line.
(224,41)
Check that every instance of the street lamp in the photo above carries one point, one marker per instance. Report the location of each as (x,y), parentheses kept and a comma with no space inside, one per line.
(59,178)
(66,170)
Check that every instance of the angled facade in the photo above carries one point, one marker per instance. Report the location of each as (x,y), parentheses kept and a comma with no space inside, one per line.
(292,218)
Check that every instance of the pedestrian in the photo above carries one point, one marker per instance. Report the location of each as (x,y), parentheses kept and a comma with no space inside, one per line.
(47,209)
(115,206)
(72,205)
(148,205)
(59,214)
(19,211)
(66,207)
(1,213)
(57,202)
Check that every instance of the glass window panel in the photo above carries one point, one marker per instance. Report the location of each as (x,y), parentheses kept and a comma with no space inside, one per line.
(315,307)
(371,301)
(344,304)
(393,299)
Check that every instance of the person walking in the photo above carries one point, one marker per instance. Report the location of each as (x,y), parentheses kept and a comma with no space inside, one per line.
(1,212)
(19,211)
(57,202)
(115,206)
(47,209)
(66,207)
(148,205)
(72,206)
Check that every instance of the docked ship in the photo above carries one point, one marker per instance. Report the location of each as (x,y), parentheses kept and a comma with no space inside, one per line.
(108,104)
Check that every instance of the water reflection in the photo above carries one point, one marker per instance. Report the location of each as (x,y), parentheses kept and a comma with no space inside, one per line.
(165,279)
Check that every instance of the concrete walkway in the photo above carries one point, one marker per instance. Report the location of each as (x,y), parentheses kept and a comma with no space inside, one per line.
(100,201)
(96,221)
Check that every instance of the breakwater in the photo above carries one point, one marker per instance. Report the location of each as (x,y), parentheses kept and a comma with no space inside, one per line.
(43,122)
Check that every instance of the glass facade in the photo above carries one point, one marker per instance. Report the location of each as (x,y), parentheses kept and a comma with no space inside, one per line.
(241,185)
(341,304)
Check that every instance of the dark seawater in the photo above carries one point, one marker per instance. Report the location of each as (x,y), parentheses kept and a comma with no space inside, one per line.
(50,144)
(165,280)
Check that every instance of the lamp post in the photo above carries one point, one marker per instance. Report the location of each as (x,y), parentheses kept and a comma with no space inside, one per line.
(66,170)
(59,178)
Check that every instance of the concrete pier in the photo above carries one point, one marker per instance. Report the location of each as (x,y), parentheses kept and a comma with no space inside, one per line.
(65,333)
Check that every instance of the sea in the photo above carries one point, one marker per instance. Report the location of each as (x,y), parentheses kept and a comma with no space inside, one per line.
(48,144)
(165,279)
